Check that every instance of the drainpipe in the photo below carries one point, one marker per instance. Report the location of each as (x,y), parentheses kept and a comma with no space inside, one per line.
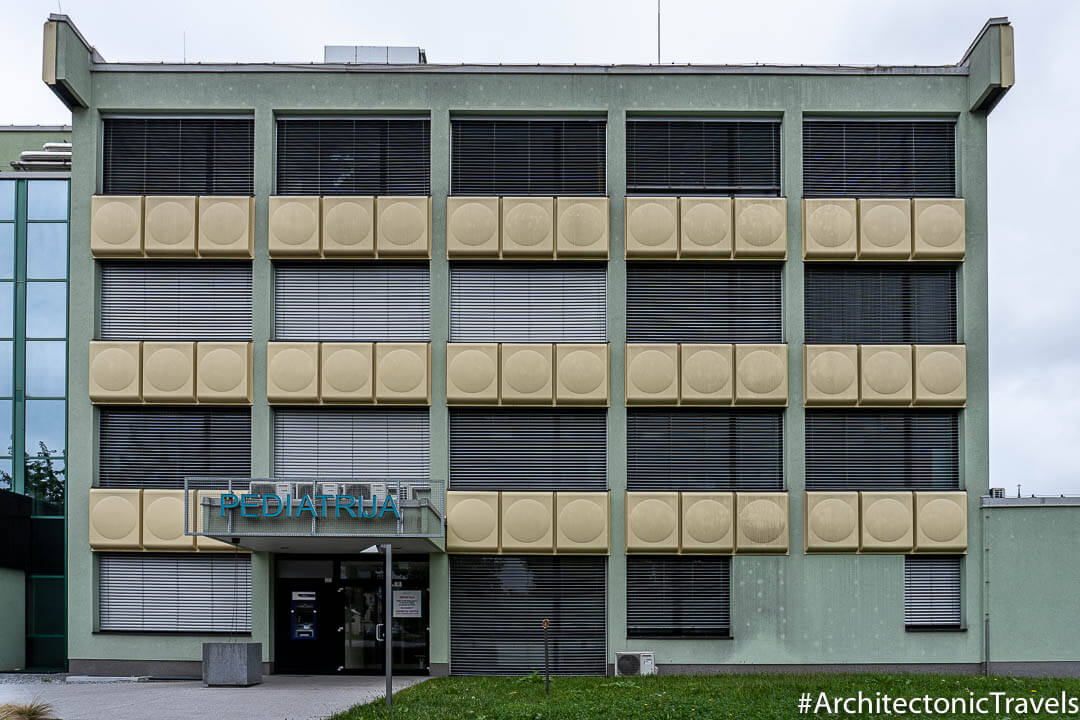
(986,588)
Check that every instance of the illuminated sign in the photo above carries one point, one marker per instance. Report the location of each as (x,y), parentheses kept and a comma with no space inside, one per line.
(272,506)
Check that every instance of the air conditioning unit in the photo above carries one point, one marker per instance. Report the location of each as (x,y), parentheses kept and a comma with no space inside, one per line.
(261,487)
(330,488)
(997,492)
(635,663)
(302,489)
(379,489)
(357,490)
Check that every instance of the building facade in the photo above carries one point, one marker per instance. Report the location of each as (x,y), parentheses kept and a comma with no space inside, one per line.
(687,359)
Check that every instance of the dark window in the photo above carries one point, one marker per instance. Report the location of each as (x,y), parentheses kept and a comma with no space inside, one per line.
(879,158)
(875,304)
(702,157)
(179,156)
(932,592)
(360,156)
(883,450)
(669,597)
(528,157)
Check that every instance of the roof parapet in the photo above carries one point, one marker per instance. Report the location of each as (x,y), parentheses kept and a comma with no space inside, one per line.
(66,59)
(991,65)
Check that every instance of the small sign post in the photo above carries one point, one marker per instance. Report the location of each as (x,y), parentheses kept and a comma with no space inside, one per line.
(389,620)
(547,666)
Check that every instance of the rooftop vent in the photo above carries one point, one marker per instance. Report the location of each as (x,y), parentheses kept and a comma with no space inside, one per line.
(374,54)
(997,492)
(52,156)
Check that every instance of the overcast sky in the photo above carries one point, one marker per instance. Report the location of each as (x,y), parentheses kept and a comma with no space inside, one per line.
(1034,146)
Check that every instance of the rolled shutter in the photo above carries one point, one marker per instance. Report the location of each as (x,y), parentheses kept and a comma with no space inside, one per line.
(497,605)
(176,301)
(528,303)
(194,593)
(528,450)
(678,596)
(704,303)
(159,447)
(885,450)
(352,303)
(704,450)
(932,591)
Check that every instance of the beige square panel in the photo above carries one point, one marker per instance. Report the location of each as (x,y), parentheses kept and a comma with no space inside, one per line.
(472,227)
(292,372)
(708,376)
(652,522)
(831,374)
(528,227)
(940,375)
(402,373)
(939,228)
(581,522)
(831,522)
(226,226)
(293,228)
(884,229)
(403,227)
(115,519)
(348,371)
(762,522)
(114,371)
(168,372)
(163,521)
(581,374)
(761,375)
(761,228)
(528,522)
(706,227)
(209,544)
(348,226)
(526,374)
(472,522)
(829,228)
(581,227)
(116,225)
(170,224)
(941,522)
(884,374)
(652,374)
(888,521)
(472,373)
(708,522)
(652,227)
(223,373)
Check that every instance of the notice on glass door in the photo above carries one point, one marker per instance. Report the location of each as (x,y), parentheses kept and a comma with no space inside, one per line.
(407,604)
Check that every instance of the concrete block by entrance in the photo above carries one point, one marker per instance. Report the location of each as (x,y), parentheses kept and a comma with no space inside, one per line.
(231,664)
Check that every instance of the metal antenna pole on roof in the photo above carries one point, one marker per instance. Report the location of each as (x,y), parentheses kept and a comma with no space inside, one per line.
(657,32)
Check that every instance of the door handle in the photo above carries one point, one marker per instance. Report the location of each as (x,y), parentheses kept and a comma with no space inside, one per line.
(341,628)
(379,633)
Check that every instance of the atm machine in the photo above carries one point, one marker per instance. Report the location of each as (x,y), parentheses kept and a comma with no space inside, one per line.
(304,615)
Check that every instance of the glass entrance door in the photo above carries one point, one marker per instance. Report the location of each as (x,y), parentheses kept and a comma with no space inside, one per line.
(363,629)
(368,618)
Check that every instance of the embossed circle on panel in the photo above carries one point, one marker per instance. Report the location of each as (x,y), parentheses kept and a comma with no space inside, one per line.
(528,224)
(941,520)
(940,225)
(652,371)
(224,224)
(832,372)
(347,224)
(347,370)
(119,222)
(581,371)
(941,372)
(527,520)
(114,369)
(472,370)
(652,521)
(474,223)
(165,518)
(762,521)
(707,521)
(830,225)
(402,223)
(294,223)
(167,369)
(172,222)
(887,520)
(527,371)
(222,369)
(582,224)
(886,226)
(832,520)
(706,371)
(760,225)
(706,224)
(887,372)
(761,371)
(472,520)
(402,370)
(582,521)
(651,223)
(292,369)
(114,517)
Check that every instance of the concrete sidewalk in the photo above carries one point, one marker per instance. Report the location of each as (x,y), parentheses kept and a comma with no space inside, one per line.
(279,697)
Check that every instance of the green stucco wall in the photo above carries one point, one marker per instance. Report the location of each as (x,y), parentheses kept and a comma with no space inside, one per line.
(13,142)
(13,628)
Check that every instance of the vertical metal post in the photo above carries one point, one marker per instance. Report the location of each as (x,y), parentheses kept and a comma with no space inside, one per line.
(547,662)
(388,620)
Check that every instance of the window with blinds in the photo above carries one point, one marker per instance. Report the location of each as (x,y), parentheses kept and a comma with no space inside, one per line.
(528,157)
(932,592)
(348,443)
(178,156)
(879,158)
(353,156)
(528,449)
(882,450)
(704,303)
(702,157)
(874,304)
(497,604)
(174,592)
(704,450)
(672,597)
(352,302)
(166,300)
(528,303)
(157,447)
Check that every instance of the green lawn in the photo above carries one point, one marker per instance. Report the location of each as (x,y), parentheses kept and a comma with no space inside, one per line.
(754,697)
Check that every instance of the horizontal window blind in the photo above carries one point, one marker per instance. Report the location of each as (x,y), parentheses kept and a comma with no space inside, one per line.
(678,596)
(704,450)
(497,605)
(882,450)
(178,156)
(165,300)
(346,443)
(175,592)
(156,447)
(866,158)
(352,302)
(730,303)
(879,305)
(703,157)
(528,157)
(528,303)
(932,591)
(528,450)
(353,156)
